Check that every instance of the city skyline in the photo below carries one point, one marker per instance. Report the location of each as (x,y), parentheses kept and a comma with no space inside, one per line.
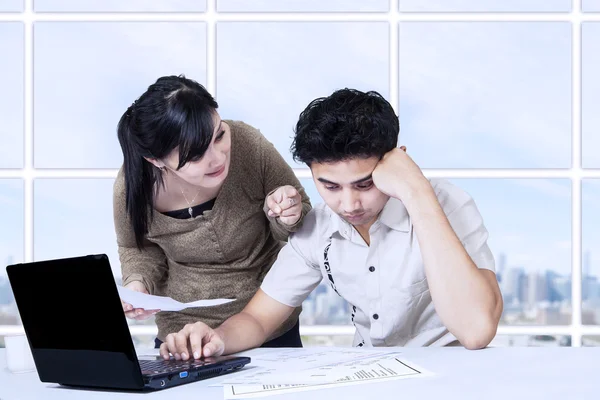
(537,238)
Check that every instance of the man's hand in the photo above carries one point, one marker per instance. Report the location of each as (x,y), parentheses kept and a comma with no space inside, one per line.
(286,203)
(194,340)
(137,313)
(398,176)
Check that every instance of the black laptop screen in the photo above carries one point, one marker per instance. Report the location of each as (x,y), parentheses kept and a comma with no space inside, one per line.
(70,304)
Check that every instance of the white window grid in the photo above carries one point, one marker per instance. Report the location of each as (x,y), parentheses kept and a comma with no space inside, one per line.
(576,330)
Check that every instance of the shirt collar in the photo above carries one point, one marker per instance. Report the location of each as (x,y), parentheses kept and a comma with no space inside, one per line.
(394,215)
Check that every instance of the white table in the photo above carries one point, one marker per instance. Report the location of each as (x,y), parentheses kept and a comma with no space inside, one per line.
(494,373)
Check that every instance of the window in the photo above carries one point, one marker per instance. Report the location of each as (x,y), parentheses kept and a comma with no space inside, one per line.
(286,65)
(11,6)
(486,94)
(531,245)
(590,285)
(590,65)
(590,5)
(79,100)
(486,5)
(490,95)
(11,102)
(119,5)
(11,243)
(302,5)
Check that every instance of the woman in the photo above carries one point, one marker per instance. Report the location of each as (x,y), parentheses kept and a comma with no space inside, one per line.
(201,207)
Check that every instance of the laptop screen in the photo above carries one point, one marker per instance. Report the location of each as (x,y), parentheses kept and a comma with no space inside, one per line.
(70,304)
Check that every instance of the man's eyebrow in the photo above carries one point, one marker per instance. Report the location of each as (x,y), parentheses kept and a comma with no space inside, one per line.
(361,180)
(326,181)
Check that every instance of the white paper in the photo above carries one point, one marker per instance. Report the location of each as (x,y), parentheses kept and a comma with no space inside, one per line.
(371,369)
(285,364)
(152,302)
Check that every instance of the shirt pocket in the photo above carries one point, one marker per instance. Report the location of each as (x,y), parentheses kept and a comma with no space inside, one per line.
(409,306)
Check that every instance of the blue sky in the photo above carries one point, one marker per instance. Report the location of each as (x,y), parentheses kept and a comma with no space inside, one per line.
(591,93)
(590,5)
(492,95)
(11,215)
(303,5)
(11,102)
(119,5)
(81,90)
(11,5)
(471,95)
(267,73)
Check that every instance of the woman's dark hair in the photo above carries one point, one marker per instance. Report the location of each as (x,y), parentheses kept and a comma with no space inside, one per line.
(348,124)
(174,113)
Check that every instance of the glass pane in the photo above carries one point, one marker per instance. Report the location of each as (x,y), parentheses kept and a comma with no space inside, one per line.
(485,5)
(590,94)
(119,5)
(309,186)
(530,341)
(590,5)
(486,94)
(11,102)
(287,65)
(327,340)
(590,341)
(11,243)
(87,74)
(74,217)
(302,5)
(323,306)
(11,5)
(590,289)
(531,245)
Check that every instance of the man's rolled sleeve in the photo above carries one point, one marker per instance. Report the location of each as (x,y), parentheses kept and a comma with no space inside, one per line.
(295,274)
(467,223)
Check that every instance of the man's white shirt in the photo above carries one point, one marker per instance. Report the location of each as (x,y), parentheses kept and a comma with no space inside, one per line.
(384,283)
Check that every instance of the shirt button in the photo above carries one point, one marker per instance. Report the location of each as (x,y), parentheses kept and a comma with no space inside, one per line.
(375,316)
(372,269)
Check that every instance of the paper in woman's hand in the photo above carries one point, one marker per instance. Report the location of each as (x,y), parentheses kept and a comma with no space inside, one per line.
(152,302)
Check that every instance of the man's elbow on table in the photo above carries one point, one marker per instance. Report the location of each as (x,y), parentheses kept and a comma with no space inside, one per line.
(481,333)
(479,337)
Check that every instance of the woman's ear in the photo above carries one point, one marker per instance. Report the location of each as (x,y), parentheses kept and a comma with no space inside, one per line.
(157,163)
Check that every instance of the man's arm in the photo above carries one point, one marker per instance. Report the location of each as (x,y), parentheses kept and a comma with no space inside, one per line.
(248,329)
(466,298)
(257,322)
(288,283)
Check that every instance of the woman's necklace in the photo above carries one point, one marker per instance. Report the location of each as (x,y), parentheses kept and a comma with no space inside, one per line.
(190,210)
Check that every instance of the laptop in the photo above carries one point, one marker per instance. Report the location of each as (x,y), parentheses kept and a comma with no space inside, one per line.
(78,333)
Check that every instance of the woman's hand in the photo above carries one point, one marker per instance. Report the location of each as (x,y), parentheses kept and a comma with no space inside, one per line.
(285,203)
(137,313)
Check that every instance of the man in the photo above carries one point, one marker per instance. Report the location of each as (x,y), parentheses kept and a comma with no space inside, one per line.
(409,255)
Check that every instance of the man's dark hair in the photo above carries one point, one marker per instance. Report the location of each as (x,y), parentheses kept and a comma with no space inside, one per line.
(348,124)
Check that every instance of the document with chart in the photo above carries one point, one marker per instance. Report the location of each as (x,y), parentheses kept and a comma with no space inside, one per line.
(364,368)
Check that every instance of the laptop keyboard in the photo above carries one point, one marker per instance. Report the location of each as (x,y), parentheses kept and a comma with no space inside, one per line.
(152,367)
